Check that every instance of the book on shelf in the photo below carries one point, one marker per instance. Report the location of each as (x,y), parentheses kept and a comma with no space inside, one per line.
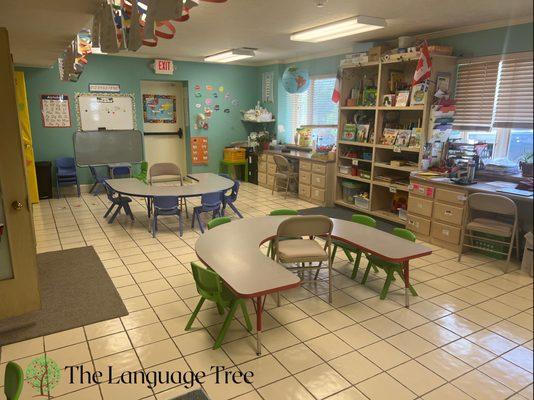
(389,136)
(403,138)
(415,137)
(362,133)
(349,132)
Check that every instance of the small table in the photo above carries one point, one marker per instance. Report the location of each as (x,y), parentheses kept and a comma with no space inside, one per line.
(227,165)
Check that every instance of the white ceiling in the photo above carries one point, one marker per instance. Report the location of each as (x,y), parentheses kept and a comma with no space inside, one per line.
(40,29)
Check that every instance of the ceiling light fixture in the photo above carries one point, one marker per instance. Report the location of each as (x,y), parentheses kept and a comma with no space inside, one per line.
(334,30)
(230,55)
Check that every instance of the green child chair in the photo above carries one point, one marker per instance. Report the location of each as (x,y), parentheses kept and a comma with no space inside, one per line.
(210,287)
(13,381)
(218,221)
(142,175)
(283,211)
(348,249)
(390,267)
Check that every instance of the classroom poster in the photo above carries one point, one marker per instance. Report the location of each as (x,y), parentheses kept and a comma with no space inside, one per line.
(55,111)
(160,109)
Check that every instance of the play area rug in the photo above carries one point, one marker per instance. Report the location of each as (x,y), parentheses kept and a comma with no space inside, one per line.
(75,290)
(193,395)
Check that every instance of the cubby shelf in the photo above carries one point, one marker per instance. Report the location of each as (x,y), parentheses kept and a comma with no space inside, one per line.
(405,169)
(381,194)
(353,178)
(349,142)
(353,158)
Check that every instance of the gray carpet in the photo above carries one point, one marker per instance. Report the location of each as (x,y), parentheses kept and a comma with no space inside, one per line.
(194,395)
(75,290)
(346,214)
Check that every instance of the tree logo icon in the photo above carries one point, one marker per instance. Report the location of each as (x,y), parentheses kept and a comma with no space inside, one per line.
(43,374)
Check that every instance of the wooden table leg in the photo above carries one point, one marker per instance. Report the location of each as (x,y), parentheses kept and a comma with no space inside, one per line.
(406,270)
(259,311)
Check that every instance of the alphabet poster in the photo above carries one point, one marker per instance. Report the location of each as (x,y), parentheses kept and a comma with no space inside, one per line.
(55,111)
(199,150)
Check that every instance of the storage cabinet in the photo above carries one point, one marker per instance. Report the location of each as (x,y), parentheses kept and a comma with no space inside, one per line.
(435,214)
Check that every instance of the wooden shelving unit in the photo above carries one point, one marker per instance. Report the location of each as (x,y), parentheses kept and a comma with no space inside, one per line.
(381,192)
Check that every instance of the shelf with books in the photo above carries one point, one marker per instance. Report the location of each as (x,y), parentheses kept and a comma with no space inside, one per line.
(398,149)
(355,159)
(401,108)
(354,178)
(396,167)
(352,143)
(396,186)
(358,108)
(353,206)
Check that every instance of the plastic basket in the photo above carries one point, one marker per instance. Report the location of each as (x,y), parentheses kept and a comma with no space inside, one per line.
(232,154)
(490,247)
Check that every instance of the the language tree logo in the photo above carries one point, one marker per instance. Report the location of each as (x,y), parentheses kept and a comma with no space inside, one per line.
(43,374)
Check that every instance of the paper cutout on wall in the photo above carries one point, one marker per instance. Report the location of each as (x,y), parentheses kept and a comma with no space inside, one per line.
(197,87)
(227,110)
(199,150)
(208,102)
(198,94)
(207,112)
(227,96)
(235,102)
(209,88)
(217,107)
(215,95)
(221,89)
(198,105)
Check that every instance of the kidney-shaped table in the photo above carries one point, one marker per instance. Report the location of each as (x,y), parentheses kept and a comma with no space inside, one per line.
(202,183)
(233,251)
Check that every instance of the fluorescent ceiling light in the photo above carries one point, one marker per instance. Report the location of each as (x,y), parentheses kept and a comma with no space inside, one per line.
(334,30)
(230,55)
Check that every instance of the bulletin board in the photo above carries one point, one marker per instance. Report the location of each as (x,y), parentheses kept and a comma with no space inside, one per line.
(112,111)
(55,110)
(199,150)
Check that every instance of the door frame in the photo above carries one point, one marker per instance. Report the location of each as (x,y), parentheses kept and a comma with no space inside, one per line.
(20,294)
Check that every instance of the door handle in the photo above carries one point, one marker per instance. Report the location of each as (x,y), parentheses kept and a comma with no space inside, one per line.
(17,205)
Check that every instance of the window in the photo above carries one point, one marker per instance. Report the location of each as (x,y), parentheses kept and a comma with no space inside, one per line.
(316,108)
(494,105)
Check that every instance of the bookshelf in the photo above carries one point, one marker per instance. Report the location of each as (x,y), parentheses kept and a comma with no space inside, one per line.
(384,179)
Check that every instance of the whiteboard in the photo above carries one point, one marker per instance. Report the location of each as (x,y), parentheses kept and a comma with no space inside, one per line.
(112,111)
(108,147)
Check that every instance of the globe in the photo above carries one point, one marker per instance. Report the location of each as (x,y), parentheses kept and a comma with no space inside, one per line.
(295,80)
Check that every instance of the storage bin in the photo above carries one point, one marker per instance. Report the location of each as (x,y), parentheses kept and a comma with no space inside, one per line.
(361,202)
(345,169)
(233,154)
(350,189)
(364,174)
(478,240)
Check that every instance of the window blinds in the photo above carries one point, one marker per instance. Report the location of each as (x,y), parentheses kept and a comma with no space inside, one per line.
(313,107)
(475,96)
(513,106)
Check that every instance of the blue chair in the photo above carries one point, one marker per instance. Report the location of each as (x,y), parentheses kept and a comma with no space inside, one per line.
(210,202)
(120,171)
(121,202)
(228,200)
(99,180)
(166,205)
(66,174)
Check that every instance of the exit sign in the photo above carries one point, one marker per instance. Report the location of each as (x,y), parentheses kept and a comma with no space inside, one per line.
(164,67)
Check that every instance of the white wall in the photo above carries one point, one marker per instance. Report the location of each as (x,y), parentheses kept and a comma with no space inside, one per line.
(166,148)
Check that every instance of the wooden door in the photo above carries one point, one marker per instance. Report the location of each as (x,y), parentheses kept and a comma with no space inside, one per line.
(19,289)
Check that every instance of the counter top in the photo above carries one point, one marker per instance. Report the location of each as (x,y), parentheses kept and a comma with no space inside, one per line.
(480,186)
(302,155)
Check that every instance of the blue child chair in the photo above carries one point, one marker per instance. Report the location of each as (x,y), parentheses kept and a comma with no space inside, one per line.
(122,202)
(228,200)
(66,174)
(166,205)
(99,180)
(209,202)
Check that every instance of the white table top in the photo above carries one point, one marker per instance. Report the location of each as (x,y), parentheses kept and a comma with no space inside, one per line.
(206,183)
(232,250)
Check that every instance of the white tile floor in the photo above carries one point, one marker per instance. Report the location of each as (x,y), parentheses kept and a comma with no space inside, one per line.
(468,335)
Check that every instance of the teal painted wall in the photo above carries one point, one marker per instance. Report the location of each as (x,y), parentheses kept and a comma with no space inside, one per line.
(239,81)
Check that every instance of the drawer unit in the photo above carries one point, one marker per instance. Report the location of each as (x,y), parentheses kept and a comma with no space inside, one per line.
(420,206)
(270,158)
(318,181)
(422,190)
(305,177)
(262,178)
(263,157)
(448,213)
(450,196)
(317,194)
(304,191)
(305,165)
(262,167)
(446,233)
(418,224)
(271,168)
(319,168)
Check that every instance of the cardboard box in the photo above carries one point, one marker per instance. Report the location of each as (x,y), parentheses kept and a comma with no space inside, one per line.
(374,53)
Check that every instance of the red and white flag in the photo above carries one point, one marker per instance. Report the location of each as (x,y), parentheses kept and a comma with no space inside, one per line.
(336,94)
(424,66)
